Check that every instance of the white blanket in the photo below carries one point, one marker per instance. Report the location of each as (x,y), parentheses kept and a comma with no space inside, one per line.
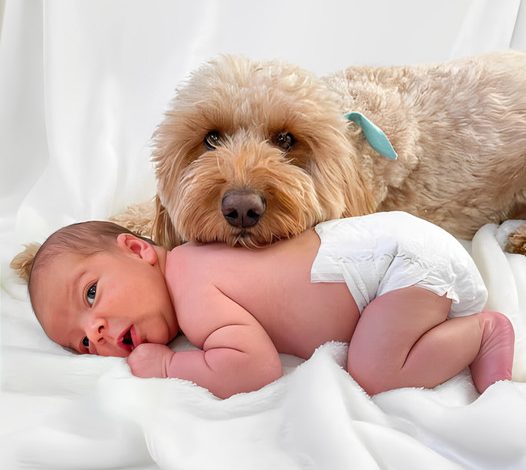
(82,85)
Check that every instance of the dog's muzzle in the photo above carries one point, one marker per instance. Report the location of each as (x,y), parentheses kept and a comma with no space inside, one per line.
(242,209)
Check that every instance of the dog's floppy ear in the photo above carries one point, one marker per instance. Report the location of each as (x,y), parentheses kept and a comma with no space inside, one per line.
(164,233)
(23,262)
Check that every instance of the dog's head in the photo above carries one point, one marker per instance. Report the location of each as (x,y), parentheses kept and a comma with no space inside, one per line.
(252,152)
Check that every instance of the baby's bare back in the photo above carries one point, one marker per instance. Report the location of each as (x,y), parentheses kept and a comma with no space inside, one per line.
(272,284)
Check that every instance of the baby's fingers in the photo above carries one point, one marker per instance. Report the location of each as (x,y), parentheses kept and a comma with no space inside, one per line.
(149,360)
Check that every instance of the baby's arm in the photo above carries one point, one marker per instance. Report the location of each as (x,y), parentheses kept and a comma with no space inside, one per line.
(237,355)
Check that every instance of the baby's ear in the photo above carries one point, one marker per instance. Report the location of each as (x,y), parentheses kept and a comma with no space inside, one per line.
(137,246)
(23,262)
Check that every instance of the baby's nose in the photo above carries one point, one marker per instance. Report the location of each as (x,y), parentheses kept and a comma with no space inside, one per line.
(96,330)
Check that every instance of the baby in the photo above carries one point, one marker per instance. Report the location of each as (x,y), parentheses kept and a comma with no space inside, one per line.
(402,292)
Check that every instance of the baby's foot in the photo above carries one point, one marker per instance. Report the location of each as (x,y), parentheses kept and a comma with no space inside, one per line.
(495,358)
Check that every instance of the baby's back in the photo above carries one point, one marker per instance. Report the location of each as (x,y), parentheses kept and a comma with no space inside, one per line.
(273,284)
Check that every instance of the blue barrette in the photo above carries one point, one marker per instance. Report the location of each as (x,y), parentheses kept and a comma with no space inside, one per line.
(374,135)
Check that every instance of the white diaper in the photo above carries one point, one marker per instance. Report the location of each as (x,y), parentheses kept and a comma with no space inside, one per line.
(378,253)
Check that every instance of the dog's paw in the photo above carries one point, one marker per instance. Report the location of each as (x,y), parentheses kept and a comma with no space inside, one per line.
(517,241)
(138,218)
(23,262)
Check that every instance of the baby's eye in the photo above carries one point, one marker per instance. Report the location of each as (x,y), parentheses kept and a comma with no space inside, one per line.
(90,294)
(85,342)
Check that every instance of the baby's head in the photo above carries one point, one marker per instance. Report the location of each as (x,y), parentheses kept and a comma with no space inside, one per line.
(98,288)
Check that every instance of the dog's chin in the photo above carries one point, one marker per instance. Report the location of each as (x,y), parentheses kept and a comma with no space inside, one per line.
(247,238)
(255,237)
(250,239)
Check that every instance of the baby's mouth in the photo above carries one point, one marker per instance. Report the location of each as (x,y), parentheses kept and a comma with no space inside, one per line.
(126,340)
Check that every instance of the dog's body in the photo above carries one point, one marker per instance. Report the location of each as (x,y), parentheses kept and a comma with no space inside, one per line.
(277,134)
(460,132)
(251,152)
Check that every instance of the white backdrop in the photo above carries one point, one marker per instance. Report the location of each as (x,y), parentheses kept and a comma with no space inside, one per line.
(83,83)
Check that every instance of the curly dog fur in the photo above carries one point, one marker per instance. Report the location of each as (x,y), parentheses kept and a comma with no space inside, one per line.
(459,129)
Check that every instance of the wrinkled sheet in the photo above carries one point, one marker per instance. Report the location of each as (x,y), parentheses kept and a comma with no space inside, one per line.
(82,85)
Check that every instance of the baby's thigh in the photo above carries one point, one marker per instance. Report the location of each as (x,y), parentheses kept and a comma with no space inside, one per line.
(390,326)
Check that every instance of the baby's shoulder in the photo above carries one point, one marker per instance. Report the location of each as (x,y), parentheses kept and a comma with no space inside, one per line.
(187,263)
(192,271)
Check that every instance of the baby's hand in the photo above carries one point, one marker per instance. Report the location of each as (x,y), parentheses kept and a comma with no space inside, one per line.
(150,360)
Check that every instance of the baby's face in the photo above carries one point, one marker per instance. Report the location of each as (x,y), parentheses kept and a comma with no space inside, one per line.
(107,303)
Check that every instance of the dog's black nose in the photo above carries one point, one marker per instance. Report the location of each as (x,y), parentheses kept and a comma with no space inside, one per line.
(242,209)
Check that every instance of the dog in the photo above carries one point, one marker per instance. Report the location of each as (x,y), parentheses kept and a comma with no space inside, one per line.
(251,152)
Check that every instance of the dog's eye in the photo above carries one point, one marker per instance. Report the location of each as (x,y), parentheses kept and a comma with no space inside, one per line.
(285,141)
(211,140)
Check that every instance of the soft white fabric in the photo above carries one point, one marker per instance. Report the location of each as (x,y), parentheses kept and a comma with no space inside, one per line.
(378,253)
(82,85)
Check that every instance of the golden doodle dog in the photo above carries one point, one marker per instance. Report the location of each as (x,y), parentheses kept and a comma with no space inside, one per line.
(252,152)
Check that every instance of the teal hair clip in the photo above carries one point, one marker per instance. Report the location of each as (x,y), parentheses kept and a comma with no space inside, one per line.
(374,135)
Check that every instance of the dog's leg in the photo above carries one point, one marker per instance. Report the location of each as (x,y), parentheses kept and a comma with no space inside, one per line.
(138,218)
(517,241)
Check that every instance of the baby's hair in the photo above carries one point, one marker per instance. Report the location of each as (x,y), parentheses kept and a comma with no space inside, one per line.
(83,238)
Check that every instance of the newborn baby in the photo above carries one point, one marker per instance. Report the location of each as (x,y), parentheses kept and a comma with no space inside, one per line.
(401,291)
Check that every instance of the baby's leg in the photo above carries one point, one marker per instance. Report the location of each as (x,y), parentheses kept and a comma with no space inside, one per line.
(403,340)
